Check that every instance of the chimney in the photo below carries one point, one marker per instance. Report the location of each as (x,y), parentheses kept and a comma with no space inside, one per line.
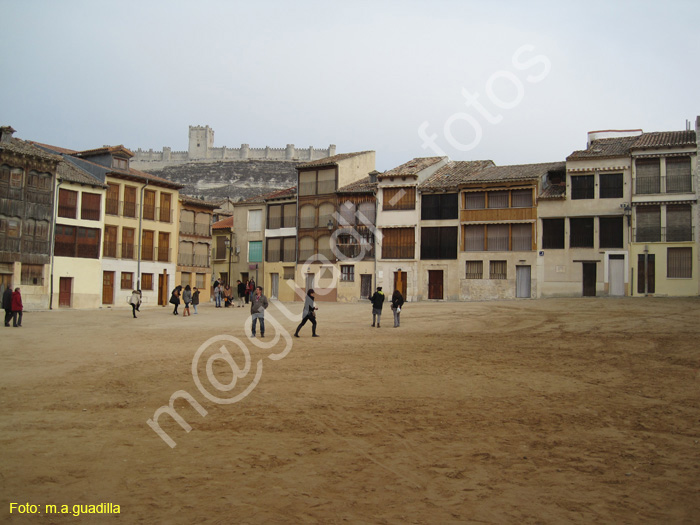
(6,134)
(373,176)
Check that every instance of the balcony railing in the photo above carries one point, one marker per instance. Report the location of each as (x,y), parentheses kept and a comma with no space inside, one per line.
(34,246)
(118,251)
(189,259)
(398,252)
(191,228)
(130,209)
(165,214)
(307,222)
(90,214)
(666,184)
(353,250)
(163,254)
(9,244)
(659,234)
(149,212)
(68,212)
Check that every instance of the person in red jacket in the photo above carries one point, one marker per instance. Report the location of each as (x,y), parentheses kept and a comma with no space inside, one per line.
(16,308)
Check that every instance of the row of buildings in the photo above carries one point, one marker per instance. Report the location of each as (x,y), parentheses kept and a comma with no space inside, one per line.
(618,218)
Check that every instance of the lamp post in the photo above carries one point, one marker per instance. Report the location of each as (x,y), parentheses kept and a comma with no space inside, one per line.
(229,247)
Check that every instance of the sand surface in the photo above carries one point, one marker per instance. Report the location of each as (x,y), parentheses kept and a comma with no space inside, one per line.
(549,411)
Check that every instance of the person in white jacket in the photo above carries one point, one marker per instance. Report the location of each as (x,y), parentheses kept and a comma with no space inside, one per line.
(135,302)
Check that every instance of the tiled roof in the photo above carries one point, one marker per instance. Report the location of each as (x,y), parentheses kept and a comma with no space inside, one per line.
(105,149)
(360,186)
(661,139)
(452,174)
(411,168)
(26,148)
(223,224)
(555,191)
(331,161)
(515,172)
(194,201)
(286,193)
(71,173)
(56,149)
(606,148)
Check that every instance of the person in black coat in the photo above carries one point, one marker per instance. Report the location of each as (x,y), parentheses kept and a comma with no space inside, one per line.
(396,306)
(377,304)
(7,304)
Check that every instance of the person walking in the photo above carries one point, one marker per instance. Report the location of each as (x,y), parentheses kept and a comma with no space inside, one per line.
(17,308)
(248,290)
(258,304)
(187,299)
(7,304)
(195,299)
(175,298)
(135,302)
(377,304)
(396,306)
(309,313)
(240,290)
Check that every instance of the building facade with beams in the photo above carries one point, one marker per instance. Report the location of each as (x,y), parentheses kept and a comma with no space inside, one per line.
(223,250)
(195,245)
(398,223)
(317,205)
(27,184)
(280,244)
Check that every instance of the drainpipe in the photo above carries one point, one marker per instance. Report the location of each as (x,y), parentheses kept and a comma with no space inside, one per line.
(138,259)
(646,270)
(53,241)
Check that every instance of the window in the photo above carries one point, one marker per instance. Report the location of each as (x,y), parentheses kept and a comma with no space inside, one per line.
(112,200)
(307,217)
(679,223)
(65,241)
(399,199)
(475,270)
(16,178)
(521,237)
(129,201)
(553,234)
(127,281)
(307,183)
(149,205)
(583,187)
(347,214)
(611,232)
(648,178)
(274,216)
(128,236)
(497,199)
(306,248)
(186,278)
(474,238)
(497,237)
(165,214)
(273,250)
(648,224)
(398,243)
(439,207)
(347,273)
(74,241)
(498,270)
(120,164)
(88,243)
(164,246)
(680,263)
(254,220)
(678,176)
(325,214)
(32,274)
(147,281)
(438,243)
(475,200)
(289,215)
(610,185)
(581,233)
(521,199)
(326,181)
(367,213)
(201,254)
(289,249)
(199,280)
(67,203)
(324,247)
(289,273)
(90,206)
(220,248)
(147,246)
(255,251)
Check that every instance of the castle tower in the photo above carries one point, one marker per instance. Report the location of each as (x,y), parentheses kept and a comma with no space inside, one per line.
(201,141)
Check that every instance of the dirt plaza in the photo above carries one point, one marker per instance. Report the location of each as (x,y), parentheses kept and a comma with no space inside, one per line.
(534,411)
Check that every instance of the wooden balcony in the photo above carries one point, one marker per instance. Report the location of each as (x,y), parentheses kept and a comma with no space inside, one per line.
(498,214)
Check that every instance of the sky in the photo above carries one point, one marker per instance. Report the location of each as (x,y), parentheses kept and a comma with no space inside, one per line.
(516,82)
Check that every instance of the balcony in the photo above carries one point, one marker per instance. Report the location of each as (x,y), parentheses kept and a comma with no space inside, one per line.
(191,228)
(666,184)
(118,251)
(163,254)
(659,234)
(355,250)
(189,259)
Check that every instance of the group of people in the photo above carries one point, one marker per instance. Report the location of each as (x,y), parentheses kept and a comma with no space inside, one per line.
(225,296)
(188,296)
(378,299)
(12,304)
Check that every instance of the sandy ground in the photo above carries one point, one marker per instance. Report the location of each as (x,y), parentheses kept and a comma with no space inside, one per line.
(549,411)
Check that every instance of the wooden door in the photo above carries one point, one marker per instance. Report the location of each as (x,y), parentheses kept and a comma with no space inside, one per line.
(128,235)
(65,288)
(165,207)
(435,284)
(149,204)
(365,286)
(163,295)
(589,279)
(5,282)
(107,287)
(646,280)
(129,201)
(522,282)
(147,245)
(163,246)
(400,282)
(110,244)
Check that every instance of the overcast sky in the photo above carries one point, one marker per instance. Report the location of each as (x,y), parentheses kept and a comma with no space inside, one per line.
(361,75)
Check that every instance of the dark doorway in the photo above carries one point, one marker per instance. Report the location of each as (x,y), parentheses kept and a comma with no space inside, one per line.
(435,284)
(65,287)
(589,278)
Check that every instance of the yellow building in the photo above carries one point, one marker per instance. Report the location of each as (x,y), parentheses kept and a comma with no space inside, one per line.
(195,242)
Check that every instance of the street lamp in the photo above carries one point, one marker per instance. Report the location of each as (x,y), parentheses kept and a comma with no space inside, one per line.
(229,247)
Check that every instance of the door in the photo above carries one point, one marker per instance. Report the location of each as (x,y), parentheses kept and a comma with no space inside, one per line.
(163,247)
(274,285)
(65,287)
(365,286)
(163,295)
(522,282)
(149,204)
(107,287)
(400,282)
(434,284)
(147,245)
(309,281)
(165,199)
(589,277)
(646,281)
(5,282)
(110,244)
(616,275)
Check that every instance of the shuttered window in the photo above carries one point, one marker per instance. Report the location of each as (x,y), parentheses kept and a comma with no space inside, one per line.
(399,198)
(553,233)
(679,220)
(347,214)
(581,232)
(307,217)
(67,203)
(521,199)
(274,216)
(325,214)
(498,199)
(307,183)
(367,213)
(255,251)
(583,187)
(90,206)
(289,249)
(475,200)
(306,248)
(611,232)
(474,238)
(498,270)
(273,251)
(439,207)
(497,237)
(610,185)
(678,176)
(648,176)
(254,220)
(475,270)
(398,243)
(326,182)
(679,263)
(289,215)
(438,243)
(648,224)
(522,237)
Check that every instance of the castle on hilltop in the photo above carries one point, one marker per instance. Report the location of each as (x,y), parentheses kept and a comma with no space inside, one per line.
(201,149)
